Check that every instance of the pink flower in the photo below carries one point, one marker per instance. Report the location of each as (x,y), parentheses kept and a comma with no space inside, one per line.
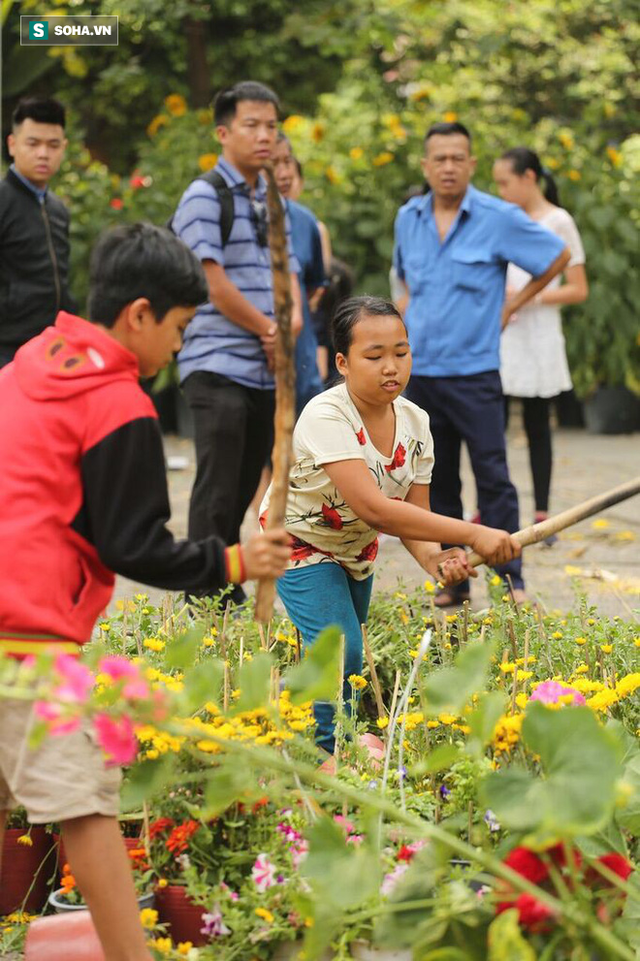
(263,873)
(348,826)
(390,880)
(214,926)
(120,669)
(57,719)
(116,738)
(77,680)
(550,692)
(298,853)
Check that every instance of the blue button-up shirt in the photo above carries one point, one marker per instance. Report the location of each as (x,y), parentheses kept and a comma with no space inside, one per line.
(212,341)
(457,286)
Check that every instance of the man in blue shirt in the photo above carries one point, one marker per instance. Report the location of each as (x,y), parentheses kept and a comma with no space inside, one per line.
(226,363)
(452,247)
(307,246)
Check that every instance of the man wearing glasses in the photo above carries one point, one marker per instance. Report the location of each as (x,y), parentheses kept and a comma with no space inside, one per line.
(226,363)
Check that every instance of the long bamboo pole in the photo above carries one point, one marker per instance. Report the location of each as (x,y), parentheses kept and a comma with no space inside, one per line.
(285,381)
(537,532)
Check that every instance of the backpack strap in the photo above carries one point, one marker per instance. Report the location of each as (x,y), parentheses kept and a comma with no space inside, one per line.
(225,196)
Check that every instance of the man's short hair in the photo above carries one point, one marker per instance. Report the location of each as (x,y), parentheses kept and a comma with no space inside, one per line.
(226,102)
(40,109)
(141,260)
(446,130)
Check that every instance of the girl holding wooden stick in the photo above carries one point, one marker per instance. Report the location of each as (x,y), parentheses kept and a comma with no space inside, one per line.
(362,462)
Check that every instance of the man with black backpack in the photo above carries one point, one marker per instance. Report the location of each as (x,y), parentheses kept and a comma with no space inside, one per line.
(226,363)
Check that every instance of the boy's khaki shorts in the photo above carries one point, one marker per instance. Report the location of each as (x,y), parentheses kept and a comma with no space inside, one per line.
(65,777)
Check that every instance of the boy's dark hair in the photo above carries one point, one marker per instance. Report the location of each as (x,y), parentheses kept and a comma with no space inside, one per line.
(350,311)
(446,130)
(521,159)
(141,260)
(226,102)
(40,109)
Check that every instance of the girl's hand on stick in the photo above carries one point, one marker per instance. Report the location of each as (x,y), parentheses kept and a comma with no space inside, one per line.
(496,547)
(450,567)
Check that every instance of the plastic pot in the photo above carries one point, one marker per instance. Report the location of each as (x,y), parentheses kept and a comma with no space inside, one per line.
(26,870)
(61,906)
(612,410)
(183,915)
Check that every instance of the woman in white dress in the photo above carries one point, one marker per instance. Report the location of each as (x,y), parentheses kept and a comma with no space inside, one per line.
(533,358)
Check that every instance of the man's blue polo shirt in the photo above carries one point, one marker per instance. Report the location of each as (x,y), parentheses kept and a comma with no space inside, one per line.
(457,287)
(213,342)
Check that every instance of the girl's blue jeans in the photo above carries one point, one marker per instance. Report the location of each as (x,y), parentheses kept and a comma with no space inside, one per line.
(316,597)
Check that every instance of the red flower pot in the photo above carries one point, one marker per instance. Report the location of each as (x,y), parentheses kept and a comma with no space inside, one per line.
(131,844)
(23,866)
(184,917)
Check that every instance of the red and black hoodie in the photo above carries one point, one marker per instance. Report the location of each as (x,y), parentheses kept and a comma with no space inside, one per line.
(83,490)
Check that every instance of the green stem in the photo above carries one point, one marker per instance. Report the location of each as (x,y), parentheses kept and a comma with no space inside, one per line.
(312,775)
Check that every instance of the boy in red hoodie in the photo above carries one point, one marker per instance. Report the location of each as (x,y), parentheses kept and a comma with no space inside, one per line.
(83,494)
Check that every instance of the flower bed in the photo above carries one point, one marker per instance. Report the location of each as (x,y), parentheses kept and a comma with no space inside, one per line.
(505,810)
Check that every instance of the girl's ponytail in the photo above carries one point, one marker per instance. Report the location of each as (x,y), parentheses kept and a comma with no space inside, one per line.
(550,187)
(522,159)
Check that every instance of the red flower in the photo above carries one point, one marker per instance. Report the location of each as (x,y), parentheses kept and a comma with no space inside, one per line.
(159,827)
(138,858)
(614,862)
(529,865)
(137,181)
(116,203)
(260,803)
(533,914)
(178,840)
(362,440)
(405,853)
(332,517)
(399,458)
(370,552)
(301,550)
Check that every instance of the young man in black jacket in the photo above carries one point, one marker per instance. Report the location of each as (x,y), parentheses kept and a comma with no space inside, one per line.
(34,227)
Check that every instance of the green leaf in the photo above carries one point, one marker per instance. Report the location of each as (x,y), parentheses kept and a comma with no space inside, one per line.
(450,688)
(628,814)
(575,794)
(226,783)
(440,758)
(146,779)
(342,875)
(318,676)
(483,720)
(505,939)
(254,680)
(180,652)
(201,684)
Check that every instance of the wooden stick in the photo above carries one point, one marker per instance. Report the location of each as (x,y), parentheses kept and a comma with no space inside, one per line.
(285,382)
(375,682)
(538,532)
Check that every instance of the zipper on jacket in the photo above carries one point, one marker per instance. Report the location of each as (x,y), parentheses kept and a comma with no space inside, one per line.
(52,252)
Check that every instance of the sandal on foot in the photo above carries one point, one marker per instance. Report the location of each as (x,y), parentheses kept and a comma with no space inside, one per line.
(451,598)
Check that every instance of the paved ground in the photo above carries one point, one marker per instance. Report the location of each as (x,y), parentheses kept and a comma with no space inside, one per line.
(585,465)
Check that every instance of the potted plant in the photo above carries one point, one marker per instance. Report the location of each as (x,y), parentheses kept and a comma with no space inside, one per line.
(26,865)
(68,897)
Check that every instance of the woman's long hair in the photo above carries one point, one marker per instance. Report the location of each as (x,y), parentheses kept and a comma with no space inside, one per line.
(522,159)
